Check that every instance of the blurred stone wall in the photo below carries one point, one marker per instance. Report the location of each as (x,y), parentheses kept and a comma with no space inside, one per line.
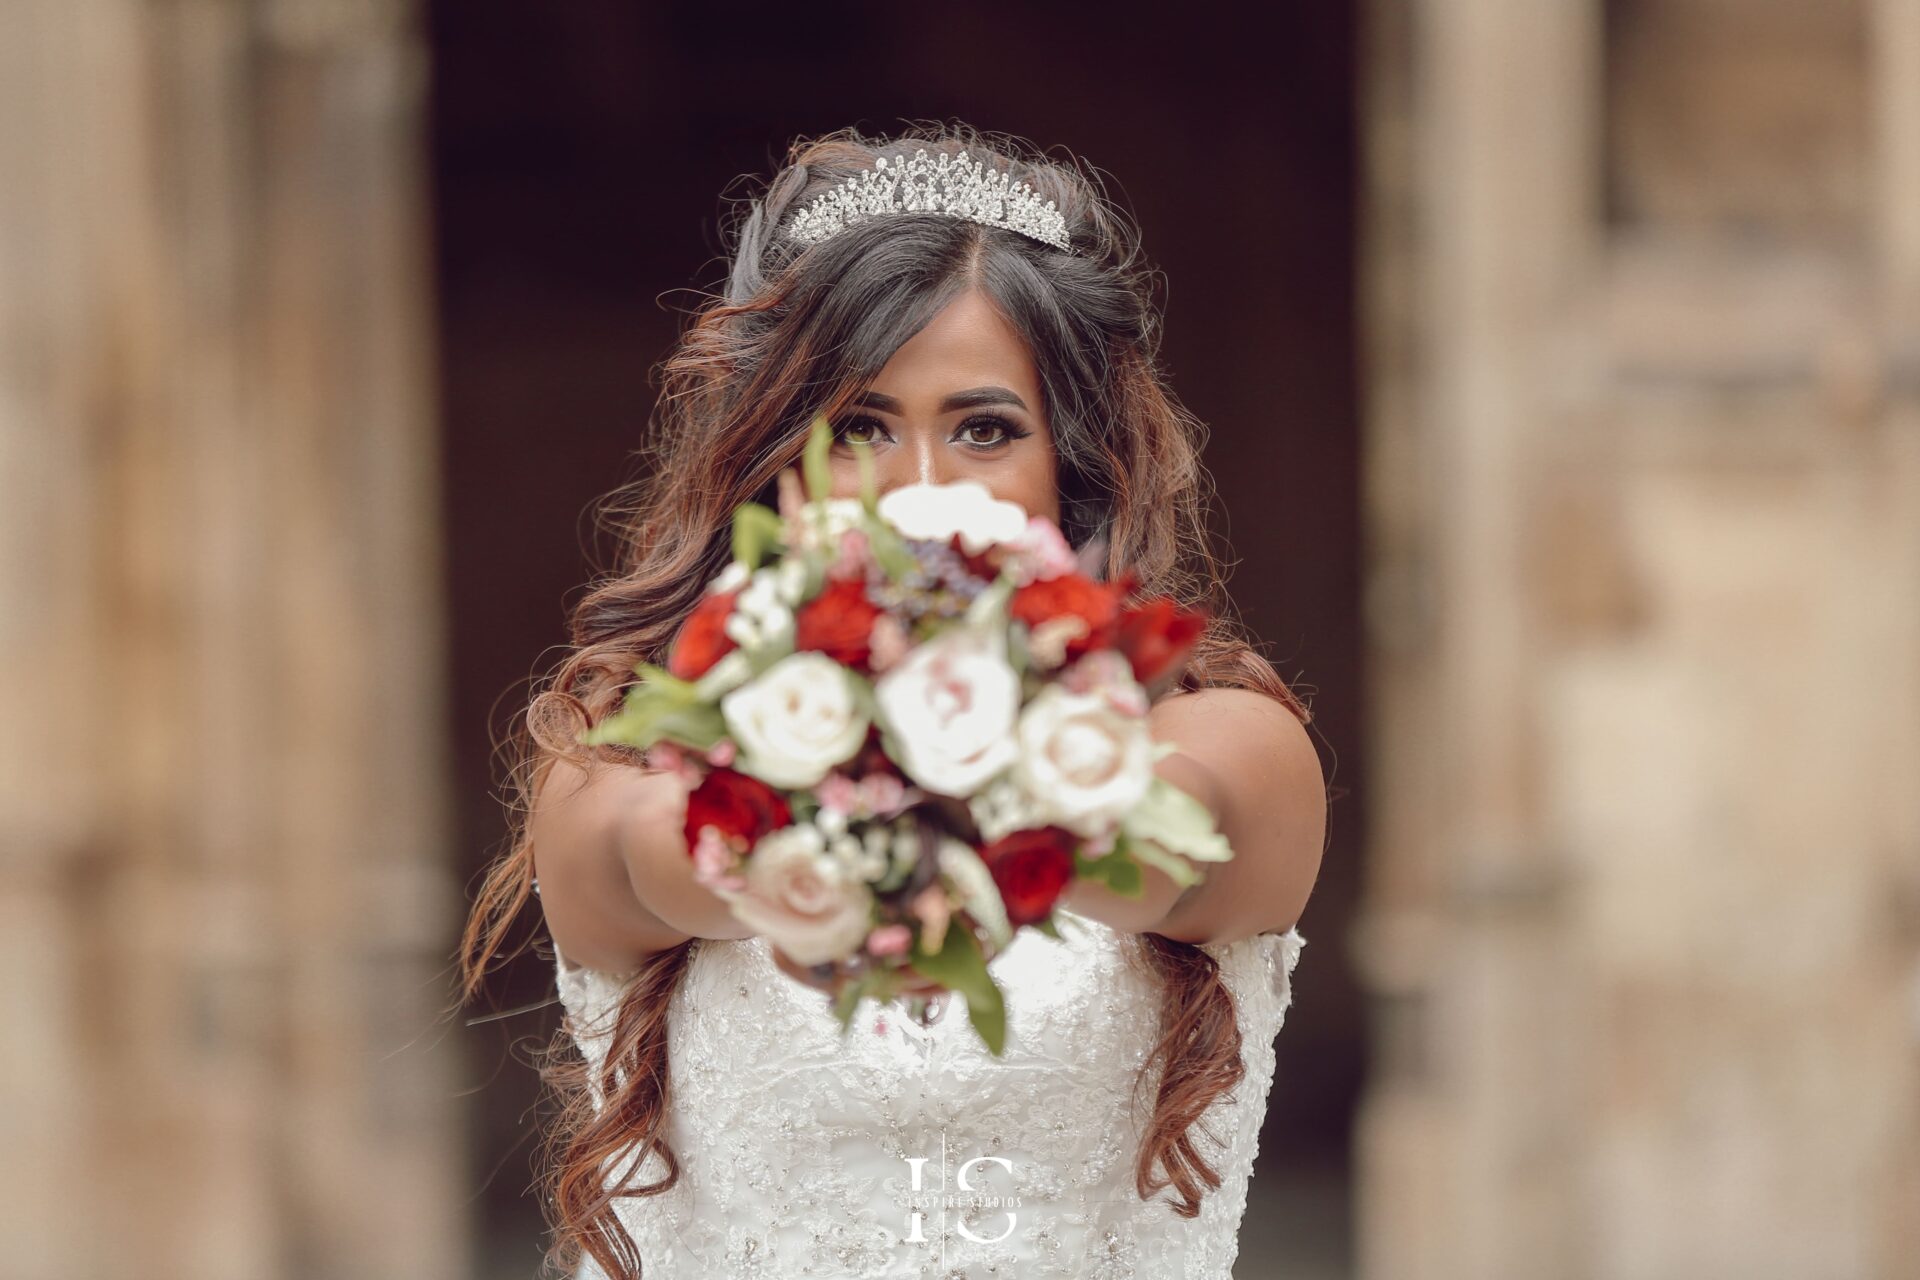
(1643,925)
(225,913)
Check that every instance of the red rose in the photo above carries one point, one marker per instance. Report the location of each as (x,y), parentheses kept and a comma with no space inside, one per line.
(1072,595)
(741,808)
(1031,868)
(1157,634)
(703,638)
(838,622)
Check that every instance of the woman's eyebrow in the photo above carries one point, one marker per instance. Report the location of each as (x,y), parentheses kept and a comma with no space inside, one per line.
(971,398)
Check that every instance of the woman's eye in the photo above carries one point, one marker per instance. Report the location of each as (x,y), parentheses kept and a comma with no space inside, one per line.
(985,432)
(850,431)
(1007,432)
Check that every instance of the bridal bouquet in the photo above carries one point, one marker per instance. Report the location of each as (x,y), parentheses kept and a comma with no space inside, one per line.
(907,723)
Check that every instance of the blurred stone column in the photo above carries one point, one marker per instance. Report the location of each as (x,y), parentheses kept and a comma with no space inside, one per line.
(1481,170)
(225,907)
(1643,933)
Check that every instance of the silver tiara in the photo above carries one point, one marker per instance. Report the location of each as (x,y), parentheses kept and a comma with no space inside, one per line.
(954,184)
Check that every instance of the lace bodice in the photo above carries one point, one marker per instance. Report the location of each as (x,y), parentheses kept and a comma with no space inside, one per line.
(796,1146)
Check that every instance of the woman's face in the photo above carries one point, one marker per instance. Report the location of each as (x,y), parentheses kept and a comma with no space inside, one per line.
(959,401)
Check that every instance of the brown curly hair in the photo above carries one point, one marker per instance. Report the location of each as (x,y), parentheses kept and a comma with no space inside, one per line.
(795,331)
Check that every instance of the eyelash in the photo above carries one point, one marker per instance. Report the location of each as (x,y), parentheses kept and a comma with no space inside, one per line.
(1011,431)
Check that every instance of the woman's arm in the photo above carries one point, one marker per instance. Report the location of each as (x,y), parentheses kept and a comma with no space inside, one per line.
(616,883)
(1250,762)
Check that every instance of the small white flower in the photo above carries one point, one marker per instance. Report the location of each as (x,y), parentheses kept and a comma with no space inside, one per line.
(877,850)
(936,512)
(796,720)
(820,524)
(802,899)
(845,849)
(1002,806)
(731,578)
(832,822)
(790,580)
(760,614)
(1083,760)
(904,844)
(857,854)
(950,706)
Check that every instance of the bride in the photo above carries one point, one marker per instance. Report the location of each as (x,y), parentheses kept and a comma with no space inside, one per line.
(979,312)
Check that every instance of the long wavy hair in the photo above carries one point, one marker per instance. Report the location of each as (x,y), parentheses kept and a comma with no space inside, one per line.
(794,331)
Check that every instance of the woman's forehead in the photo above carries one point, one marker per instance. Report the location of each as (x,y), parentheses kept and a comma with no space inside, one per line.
(968,345)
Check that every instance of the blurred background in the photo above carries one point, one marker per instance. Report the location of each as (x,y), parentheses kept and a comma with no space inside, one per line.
(1562,362)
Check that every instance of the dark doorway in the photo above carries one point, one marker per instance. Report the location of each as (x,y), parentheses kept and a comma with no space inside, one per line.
(579,153)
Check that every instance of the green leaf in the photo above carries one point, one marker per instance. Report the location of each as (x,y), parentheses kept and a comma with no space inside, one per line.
(756,531)
(869,487)
(1172,818)
(1117,870)
(972,880)
(888,550)
(847,1002)
(959,966)
(654,676)
(990,608)
(813,461)
(662,707)
(1178,869)
(1019,654)
(735,668)
(844,1005)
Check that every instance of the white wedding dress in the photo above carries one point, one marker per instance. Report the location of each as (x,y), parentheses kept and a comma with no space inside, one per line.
(796,1146)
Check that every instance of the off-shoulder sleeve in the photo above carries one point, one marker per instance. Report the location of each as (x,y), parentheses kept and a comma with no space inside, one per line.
(1282,955)
(1259,971)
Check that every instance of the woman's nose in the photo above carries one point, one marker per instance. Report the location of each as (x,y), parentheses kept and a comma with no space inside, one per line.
(917,459)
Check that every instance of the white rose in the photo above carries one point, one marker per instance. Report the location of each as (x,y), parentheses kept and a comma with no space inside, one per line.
(1082,760)
(935,512)
(801,898)
(950,706)
(796,720)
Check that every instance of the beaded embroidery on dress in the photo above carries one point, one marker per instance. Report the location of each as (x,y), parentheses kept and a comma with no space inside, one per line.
(795,1145)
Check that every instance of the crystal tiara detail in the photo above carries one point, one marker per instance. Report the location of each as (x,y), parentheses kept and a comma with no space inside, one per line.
(955,184)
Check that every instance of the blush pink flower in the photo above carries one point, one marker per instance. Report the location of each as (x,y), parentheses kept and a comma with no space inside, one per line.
(882,794)
(933,910)
(714,861)
(1040,552)
(852,556)
(838,792)
(890,940)
(888,642)
(668,758)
